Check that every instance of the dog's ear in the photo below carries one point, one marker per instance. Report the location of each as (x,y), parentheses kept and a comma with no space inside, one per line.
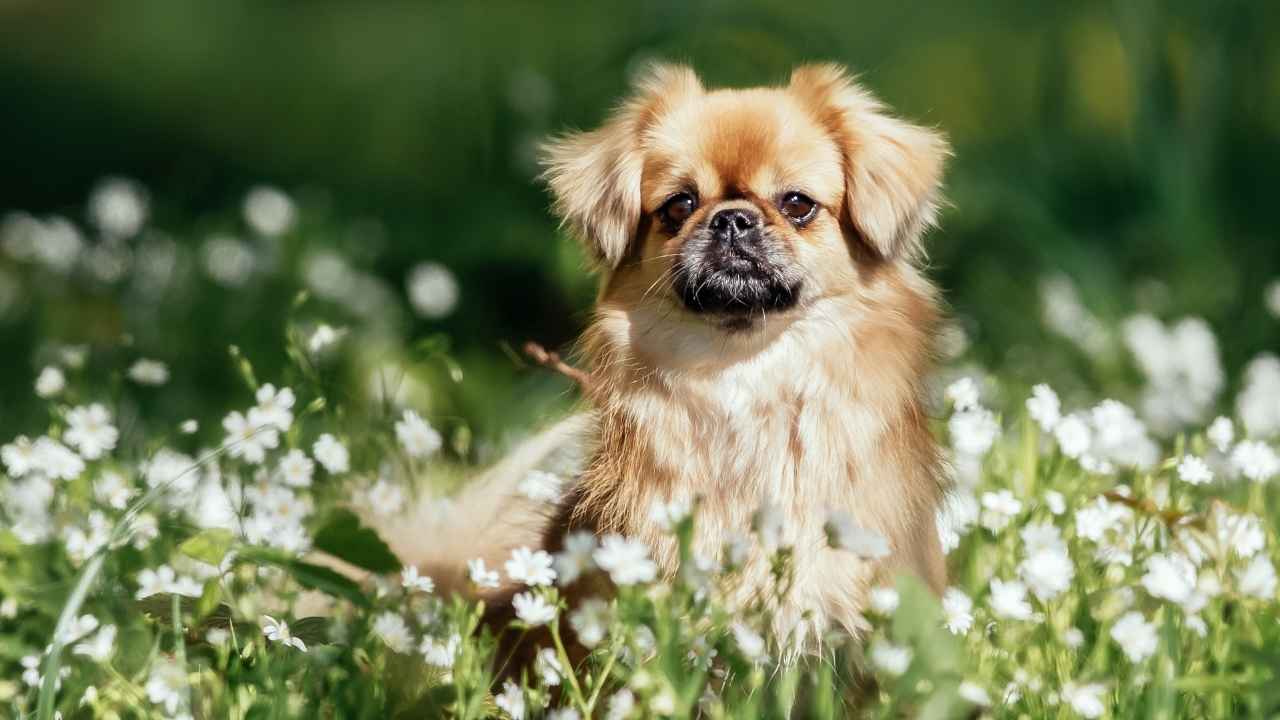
(595,176)
(893,169)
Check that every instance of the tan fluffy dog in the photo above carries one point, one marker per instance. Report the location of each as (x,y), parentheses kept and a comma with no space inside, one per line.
(761,335)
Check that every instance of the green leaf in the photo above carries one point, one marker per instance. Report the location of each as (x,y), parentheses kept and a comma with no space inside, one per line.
(342,536)
(208,600)
(209,546)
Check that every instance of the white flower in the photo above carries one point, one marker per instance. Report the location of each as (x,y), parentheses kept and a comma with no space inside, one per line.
(438,653)
(78,628)
(750,642)
(394,632)
(533,568)
(1170,577)
(1055,501)
(189,426)
(82,543)
(118,207)
(50,382)
(1073,436)
(1243,533)
(548,667)
(1044,407)
(228,261)
(973,693)
(480,575)
(973,431)
(1182,366)
(217,636)
(963,394)
(1073,637)
(90,431)
(1119,437)
(324,337)
(296,468)
(417,436)
(1009,600)
(1221,432)
(167,685)
(249,437)
(1258,404)
(890,658)
(565,713)
(626,561)
(1255,460)
(540,486)
(55,459)
(269,211)
(575,558)
(843,533)
(884,600)
(275,407)
(511,699)
(331,454)
(590,621)
(533,609)
(668,515)
(770,526)
(1038,537)
(1135,636)
(433,291)
(957,611)
(278,631)
(621,705)
(1094,520)
(31,670)
(1194,471)
(171,469)
(999,508)
(19,456)
(1048,572)
(1258,578)
(1086,700)
(413,582)
(149,372)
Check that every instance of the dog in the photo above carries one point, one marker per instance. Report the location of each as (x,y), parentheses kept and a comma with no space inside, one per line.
(761,338)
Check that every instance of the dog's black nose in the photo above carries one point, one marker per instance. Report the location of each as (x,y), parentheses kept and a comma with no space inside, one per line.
(733,223)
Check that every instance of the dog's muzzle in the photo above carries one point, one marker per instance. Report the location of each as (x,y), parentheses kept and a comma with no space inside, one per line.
(732,266)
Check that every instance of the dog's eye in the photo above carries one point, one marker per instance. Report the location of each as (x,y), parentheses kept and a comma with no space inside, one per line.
(678,209)
(798,207)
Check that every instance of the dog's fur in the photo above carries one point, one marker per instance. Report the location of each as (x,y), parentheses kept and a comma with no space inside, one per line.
(801,388)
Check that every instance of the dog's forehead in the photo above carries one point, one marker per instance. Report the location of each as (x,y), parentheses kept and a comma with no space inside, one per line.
(760,139)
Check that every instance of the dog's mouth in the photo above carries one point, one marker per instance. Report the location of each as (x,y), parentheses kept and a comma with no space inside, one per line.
(738,288)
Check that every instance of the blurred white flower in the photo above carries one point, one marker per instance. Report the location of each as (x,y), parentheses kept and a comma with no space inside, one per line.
(750,643)
(1243,533)
(1047,571)
(55,459)
(323,338)
(548,667)
(963,394)
(1041,536)
(433,291)
(249,437)
(1194,471)
(110,488)
(164,580)
(621,705)
(413,582)
(1135,636)
(78,628)
(957,611)
(83,542)
(1258,404)
(269,211)
(167,684)
(1222,432)
(956,517)
(50,382)
(844,533)
(1272,298)
(1183,370)
(883,600)
(627,561)
(889,658)
(417,436)
(394,632)
(770,527)
(590,621)
(31,670)
(575,558)
(1009,600)
(511,699)
(564,713)
(533,609)
(1120,437)
(1255,460)
(999,509)
(118,207)
(228,261)
(480,575)
(296,469)
(278,631)
(440,653)
(1044,407)
(149,372)
(1073,436)
(533,568)
(1073,637)
(973,693)
(1065,315)
(1055,501)
(1258,578)
(1171,577)
(1085,700)
(331,454)
(973,431)
(540,486)
(90,431)
(668,515)
(173,469)
(275,407)
(189,426)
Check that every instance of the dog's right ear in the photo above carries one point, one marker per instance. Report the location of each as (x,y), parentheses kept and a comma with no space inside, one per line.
(595,176)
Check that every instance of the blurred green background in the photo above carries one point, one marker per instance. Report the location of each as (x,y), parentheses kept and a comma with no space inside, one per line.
(1133,147)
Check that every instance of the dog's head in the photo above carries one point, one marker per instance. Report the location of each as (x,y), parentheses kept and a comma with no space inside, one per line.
(735,207)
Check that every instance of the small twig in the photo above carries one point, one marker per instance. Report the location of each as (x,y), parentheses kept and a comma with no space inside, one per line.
(553,361)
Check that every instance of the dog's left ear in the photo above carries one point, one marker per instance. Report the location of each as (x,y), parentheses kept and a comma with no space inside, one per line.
(893,169)
(595,176)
